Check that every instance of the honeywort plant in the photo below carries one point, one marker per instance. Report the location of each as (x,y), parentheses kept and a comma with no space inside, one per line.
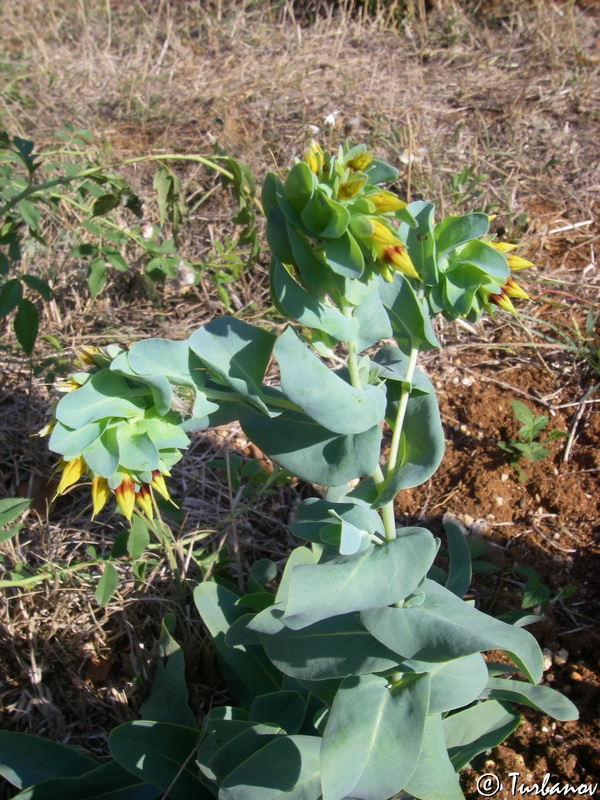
(362,676)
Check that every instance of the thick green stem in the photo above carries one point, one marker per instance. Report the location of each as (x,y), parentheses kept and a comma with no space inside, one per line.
(387,511)
(402,406)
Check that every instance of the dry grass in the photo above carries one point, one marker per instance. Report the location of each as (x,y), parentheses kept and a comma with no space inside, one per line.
(508,90)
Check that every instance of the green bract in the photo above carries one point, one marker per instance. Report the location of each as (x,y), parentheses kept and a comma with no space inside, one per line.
(362,676)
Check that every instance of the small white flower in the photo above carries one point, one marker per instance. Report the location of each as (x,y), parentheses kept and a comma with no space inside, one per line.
(313,129)
(330,118)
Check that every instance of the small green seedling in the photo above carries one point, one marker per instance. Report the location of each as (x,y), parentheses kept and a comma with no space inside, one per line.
(527,445)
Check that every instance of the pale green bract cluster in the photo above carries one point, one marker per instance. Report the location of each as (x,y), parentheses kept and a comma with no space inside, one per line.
(362,676)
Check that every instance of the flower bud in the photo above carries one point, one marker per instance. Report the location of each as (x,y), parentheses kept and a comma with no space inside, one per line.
(386,201)
(144,500)
(360,161)
(350,188)
(512,289)
(100,493)
(125,496)
(72,471)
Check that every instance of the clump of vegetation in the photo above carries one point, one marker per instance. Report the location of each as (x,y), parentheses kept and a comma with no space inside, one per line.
(529,445)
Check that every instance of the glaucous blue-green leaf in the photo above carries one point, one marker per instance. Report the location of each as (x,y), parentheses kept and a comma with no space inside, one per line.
(454,231)
(306,309)
(459,559)
(313,453)
(26,759)
(381,172)
(217,733)
(107,782)
(434,777)
(164,357)
(420,241)
(237,352)
(311,265)
(241,747)
(286,769)
(345,537)
(105,394)
(408,315)
(168,698)
(162,392)
(239,632)
(69,441)
(373,737)
(376,577)
(162,754)
(102,455)
(373,320)
(262,572)
(445,627)
(542,698)
(325,217)
(246,663)
(285,708)
(313,514)
(137,451)
(477,729)
(484,256)
(164,431)
(332,648)
(321,394)
(421,447)
(277,236)
(454,683)
(392,365)
(459,287)
(299,185)
(344,256)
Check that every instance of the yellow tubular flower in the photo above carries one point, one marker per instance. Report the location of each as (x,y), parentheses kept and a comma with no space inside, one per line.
(360,161)
(502,301)
(86,354)
(100,493)
(397,257)
(125,497)
(72,471)
(386,201)
(512,289)
(66,385)
(350,188)
(158,483)
(390,249)
(144,500)
(314,157)
(514,262)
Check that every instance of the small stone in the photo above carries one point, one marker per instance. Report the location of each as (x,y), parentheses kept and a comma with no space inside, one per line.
(468,520)
(464,428)
(505,476)
(499,501)
(467,381)
(576,676)
(547,658)
(544,729)
(560,658)
(556,536)
(559,739)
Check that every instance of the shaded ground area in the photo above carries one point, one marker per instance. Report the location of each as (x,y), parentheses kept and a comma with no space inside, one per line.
(486,106)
